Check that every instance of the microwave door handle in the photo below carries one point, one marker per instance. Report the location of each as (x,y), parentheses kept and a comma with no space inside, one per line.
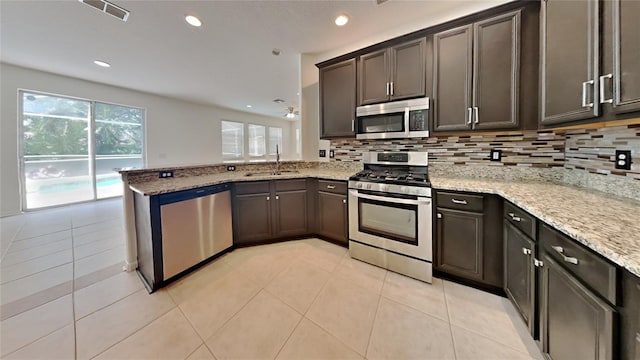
(420,201)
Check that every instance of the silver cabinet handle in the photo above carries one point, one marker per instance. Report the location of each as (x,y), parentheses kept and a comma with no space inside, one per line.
(469,115)
(391,89)
(584,93)
(538,263)
(476,117)
(331,186)
(344,201)
(277,197)
(353,125)
(602,80)
(268,198)
(439,216)
(560,250)
(514,217)
(461,202)
(526,251)
(387,89)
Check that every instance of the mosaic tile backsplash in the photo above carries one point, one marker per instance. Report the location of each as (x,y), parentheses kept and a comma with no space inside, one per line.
(583,157)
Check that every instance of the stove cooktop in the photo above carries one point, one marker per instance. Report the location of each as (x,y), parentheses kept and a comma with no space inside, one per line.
(392,177)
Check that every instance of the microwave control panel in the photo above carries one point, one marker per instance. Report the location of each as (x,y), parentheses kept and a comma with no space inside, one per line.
(418,120)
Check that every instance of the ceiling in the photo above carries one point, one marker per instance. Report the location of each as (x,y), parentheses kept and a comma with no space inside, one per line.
(227,62)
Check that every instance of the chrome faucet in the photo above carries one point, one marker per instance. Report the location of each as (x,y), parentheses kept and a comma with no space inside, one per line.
(277,171)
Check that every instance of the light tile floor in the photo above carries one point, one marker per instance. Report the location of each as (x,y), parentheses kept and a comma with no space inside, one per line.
(64,297)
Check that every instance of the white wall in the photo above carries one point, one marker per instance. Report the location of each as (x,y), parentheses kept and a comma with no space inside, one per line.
(177,132)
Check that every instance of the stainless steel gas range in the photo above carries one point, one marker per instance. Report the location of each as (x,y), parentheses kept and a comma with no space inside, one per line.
(390,213)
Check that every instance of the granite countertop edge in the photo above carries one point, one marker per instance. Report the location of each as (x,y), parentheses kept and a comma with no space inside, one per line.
(599,242)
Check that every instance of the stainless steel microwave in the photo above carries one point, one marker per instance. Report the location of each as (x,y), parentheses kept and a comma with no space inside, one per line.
(393,120)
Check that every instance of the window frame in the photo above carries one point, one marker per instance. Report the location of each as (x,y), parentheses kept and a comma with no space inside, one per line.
(242,138)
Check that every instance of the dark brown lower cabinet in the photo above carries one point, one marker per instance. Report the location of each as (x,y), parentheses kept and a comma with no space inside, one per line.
(291,213)
(332,216)
(460,243)
(252,218)
(519,272)
(576,323)
(267,210)
(468,237)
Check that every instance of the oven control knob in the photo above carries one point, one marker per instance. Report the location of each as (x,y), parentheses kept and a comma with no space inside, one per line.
(358,185)
(368,186)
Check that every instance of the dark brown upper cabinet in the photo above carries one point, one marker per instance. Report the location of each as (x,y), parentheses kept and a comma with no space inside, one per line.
(393,73)
(569,60)
(476,75)
(619,83)
(338,99)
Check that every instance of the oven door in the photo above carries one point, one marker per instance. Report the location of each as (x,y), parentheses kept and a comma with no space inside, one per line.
(401,224)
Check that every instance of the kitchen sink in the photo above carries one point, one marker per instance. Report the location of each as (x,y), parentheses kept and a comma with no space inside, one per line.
(272,173)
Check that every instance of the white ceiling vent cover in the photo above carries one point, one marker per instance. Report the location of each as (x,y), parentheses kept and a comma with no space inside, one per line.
(108,8)
(380,2)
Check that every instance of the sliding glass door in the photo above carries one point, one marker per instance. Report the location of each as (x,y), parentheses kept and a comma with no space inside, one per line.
(71,149)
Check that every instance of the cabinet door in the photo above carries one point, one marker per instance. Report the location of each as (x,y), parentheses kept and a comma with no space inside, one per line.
(452,75)
(576,323)
(459,243)
(373,76)
(519,272)
(569,61)
(291,213)
(408,69)
(332,216)
(252,218)
(626,63)
(496,72)
(338,99)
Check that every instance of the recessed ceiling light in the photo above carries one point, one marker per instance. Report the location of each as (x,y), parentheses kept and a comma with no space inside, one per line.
(249,106)
(102,63)
(342,20)
(193,21)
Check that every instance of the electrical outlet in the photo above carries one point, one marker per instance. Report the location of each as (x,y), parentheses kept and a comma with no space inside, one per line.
(623,159)
(231,168)
(322,153)
(496,155)
(166,174)
(332,154)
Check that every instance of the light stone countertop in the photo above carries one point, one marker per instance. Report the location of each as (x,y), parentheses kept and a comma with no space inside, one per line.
(606,224)
(162,186)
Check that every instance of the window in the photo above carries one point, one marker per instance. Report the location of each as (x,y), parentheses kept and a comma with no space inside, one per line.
(257,141)
(71,154)
(232,141)
(275,138)
(258,144)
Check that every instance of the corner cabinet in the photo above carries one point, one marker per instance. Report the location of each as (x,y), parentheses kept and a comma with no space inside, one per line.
(268,210)
(394,73)
(520,234)
(338,99)
(468,240)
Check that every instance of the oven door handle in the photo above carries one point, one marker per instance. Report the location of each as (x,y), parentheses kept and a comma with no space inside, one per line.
(419,201)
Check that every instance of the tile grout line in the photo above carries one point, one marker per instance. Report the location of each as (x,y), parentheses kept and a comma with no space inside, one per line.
(290,335)
(446,304)
(375,317)
(40,271)
(37,257)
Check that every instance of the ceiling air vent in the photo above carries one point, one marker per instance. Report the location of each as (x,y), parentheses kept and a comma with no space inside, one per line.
(108,8)
(381,1)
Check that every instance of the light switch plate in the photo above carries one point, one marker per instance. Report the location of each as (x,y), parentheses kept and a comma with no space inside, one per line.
(496,155)
(322,153)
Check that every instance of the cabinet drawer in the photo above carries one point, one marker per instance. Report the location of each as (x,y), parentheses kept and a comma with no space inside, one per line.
(289,185)
(336,187)
(459,201)
(520,219)
(590,268)
(254,187)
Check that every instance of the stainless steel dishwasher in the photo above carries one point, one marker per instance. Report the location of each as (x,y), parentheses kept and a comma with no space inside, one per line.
(195,229)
